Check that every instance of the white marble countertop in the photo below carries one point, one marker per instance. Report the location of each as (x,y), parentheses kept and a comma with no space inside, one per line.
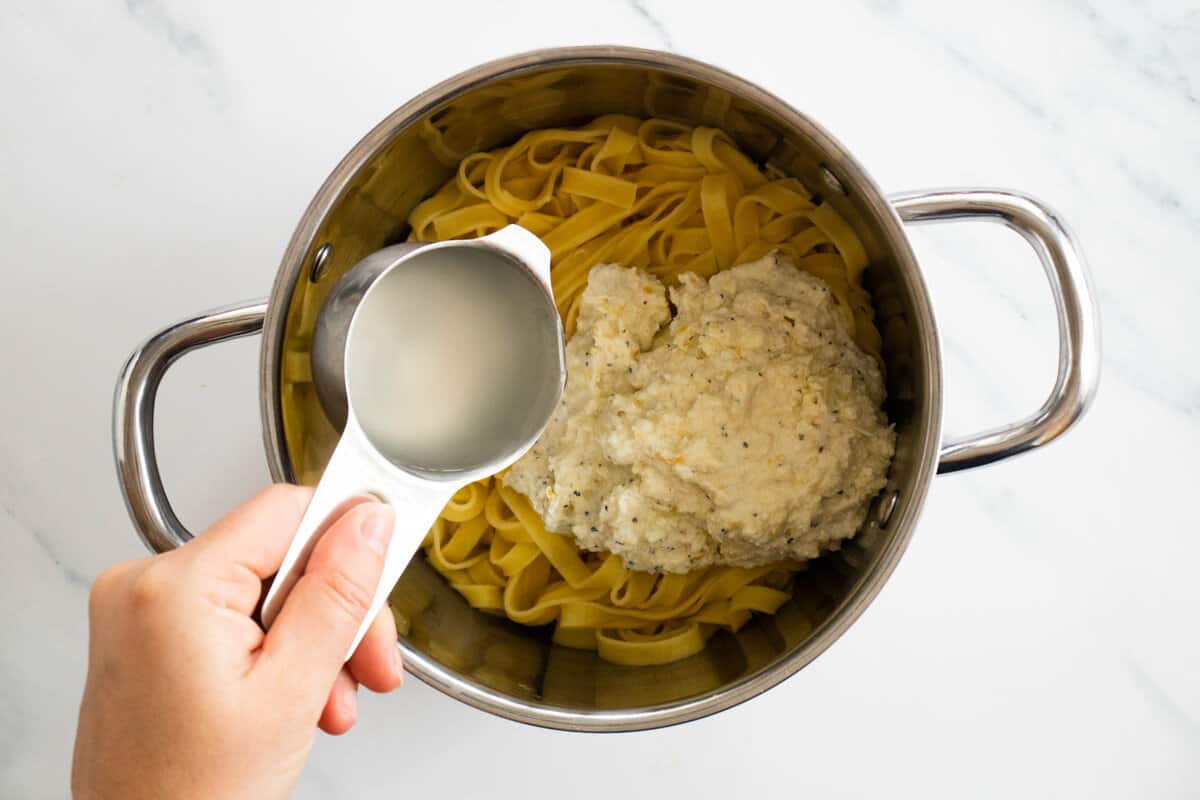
(1040,637)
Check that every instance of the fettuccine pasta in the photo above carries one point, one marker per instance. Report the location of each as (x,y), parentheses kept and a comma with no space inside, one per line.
(668,198)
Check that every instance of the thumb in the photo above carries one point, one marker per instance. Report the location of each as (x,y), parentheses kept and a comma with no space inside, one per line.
(307,644)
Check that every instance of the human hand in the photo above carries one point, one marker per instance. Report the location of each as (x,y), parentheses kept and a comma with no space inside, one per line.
(187,697)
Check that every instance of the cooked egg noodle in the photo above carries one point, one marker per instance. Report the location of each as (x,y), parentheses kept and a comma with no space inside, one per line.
(668,198)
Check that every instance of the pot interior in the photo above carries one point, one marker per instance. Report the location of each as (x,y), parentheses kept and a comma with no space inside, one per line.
(512,669)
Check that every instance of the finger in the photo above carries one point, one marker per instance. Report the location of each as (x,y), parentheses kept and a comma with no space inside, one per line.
(232,557)
(248,544)
(322,614)
(376,662)
(256,534)
(341,707)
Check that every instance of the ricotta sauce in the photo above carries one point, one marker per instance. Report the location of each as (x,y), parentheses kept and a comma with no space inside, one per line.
(744,430)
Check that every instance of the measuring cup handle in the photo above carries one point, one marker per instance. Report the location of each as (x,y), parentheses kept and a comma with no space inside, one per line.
(524,246)
(357,472)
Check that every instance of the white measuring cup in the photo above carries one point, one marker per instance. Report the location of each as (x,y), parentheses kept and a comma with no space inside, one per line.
(452,364)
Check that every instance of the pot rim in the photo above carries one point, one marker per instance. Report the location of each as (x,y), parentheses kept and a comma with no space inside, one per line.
(532,712)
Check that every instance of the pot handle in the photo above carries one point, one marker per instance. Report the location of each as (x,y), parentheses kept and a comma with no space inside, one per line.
(133,414)
(1074,300)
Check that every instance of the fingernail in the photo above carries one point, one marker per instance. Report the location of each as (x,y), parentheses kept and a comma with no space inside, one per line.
(349,702)
(398,664)
(377,528)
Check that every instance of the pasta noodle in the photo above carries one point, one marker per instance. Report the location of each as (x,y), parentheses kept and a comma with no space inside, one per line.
(668,198)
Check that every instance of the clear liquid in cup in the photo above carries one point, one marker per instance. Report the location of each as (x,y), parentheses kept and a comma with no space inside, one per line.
(452,360)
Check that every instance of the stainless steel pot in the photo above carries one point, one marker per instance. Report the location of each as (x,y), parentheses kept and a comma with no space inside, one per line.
(515,671)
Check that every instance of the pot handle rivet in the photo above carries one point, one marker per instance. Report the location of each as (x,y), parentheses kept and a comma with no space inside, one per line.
(320,263)
(831,181)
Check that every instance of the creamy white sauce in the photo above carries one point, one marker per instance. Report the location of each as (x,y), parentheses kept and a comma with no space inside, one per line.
(745,430)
